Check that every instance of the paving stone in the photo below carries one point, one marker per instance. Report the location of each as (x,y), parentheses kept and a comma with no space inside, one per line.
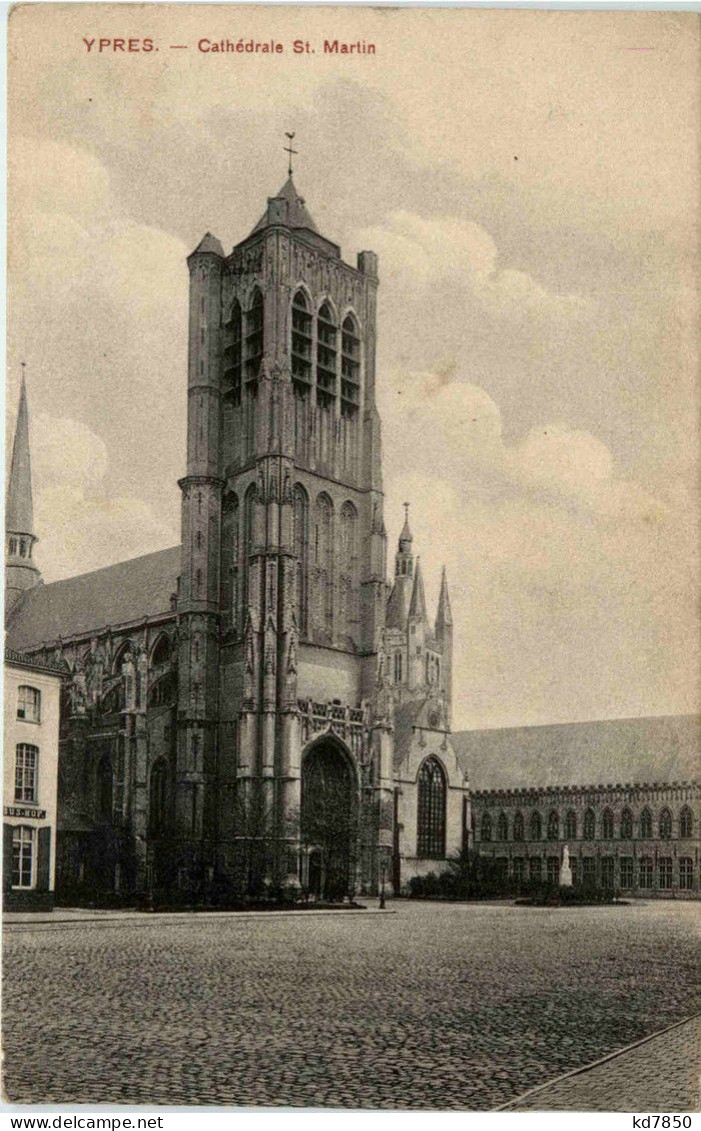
(437,1006)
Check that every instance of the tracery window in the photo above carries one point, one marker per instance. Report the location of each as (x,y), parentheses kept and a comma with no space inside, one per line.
(626,866)
(350,367)
(553,825)
(502,827)
(233,341)
(26,772)
(536,826)
(230,561)
(571,825)
(23,841)
(646,825)
(431,810)
(645,872)
(686,823)
(553,869)
(301,353)
(301,549)
(253,343)
(398,664)
(348,581)
(607,825)
(486,827)
(249,505)
(665,872)
(535,868)
(665,825)
(589,825)
(29,704)
(326,357)
(626,825)
(518,827)
(686,873)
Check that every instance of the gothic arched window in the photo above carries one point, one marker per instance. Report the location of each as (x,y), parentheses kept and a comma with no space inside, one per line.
(229,576)
(326,356)
(553,825)
(607,825)
(231,361)
(104,789)
(323,566)
(536,826)
(589,825)
(571,825)
(161,651)
(159,798)
(518,827)
(686,823)
(249,508)
(253,340)
(626,825)
(502,827)
(301,351)
(350,366)
(665,825)
(301,550)
(431,810)
(486,827)
(348,570)
(646,825)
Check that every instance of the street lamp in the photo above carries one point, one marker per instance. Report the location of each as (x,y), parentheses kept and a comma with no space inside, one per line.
(383,876)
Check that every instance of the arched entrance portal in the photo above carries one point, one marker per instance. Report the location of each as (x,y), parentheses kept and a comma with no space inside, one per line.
(329,822)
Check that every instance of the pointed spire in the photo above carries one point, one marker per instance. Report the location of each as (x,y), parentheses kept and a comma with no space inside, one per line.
(417,608)
(406,537)
(19,515)
(287,208)
(444,617)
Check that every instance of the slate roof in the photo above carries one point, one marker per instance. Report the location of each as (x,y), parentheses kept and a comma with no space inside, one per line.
(297,214)
(119,594)
(659,749)
(19,513)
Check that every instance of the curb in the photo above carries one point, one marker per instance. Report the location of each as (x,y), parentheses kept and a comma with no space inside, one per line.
(185,916)
(597,1063)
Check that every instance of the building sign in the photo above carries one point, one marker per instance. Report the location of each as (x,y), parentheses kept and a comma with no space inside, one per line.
(22,811)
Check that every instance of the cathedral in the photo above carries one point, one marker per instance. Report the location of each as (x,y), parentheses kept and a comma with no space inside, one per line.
(257,710)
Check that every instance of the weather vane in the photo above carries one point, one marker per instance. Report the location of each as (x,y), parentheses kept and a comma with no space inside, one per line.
(288,149)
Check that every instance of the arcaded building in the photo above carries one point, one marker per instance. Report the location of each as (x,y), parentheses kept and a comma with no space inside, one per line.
(259,707)
(537,789)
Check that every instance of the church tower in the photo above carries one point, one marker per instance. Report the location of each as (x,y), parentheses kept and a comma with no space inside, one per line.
(21,573)
(283,769)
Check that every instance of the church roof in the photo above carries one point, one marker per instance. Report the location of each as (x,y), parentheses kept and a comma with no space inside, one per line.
(210,244)
(659,749)
(295,214)
(19,517)
(119,594)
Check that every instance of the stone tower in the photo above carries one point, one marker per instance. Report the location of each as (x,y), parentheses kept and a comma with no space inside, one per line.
(283,772)
(21,572)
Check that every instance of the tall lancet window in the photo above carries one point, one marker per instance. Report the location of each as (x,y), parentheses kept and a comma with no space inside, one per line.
(232,355)
(301,352)
(254,336)
(323,567)
(301,549)
(431,813)
(230,562)
(249,505)
(326,357)
(350,367)
(348,571)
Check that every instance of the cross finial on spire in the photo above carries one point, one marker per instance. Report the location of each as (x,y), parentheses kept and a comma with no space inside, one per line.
(288,149)
(406,511)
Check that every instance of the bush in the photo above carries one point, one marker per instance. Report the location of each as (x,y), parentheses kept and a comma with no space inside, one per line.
(471,876)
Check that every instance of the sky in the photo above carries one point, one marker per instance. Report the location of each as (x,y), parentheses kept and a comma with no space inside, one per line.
(529,181)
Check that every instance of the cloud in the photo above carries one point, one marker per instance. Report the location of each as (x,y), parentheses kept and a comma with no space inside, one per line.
(429,252)
(81,525)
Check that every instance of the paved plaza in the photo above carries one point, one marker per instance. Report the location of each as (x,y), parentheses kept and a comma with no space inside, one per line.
(436,1006)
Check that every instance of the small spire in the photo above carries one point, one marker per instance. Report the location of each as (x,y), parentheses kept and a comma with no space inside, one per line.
(19,515)
(417,608)
(406,537)
(444,618)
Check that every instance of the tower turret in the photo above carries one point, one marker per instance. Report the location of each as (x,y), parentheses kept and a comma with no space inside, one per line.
(20,571)
(398,605)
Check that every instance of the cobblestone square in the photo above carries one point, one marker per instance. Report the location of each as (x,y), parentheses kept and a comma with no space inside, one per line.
(436,1006)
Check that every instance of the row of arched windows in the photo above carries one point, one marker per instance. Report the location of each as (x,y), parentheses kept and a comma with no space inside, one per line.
(570,826)
(243,346)
(326,548)
(331,365)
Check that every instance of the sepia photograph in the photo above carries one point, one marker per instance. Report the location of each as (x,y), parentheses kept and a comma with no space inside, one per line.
(352,651)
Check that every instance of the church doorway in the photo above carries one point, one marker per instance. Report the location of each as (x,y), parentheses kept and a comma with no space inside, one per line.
(329,823)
